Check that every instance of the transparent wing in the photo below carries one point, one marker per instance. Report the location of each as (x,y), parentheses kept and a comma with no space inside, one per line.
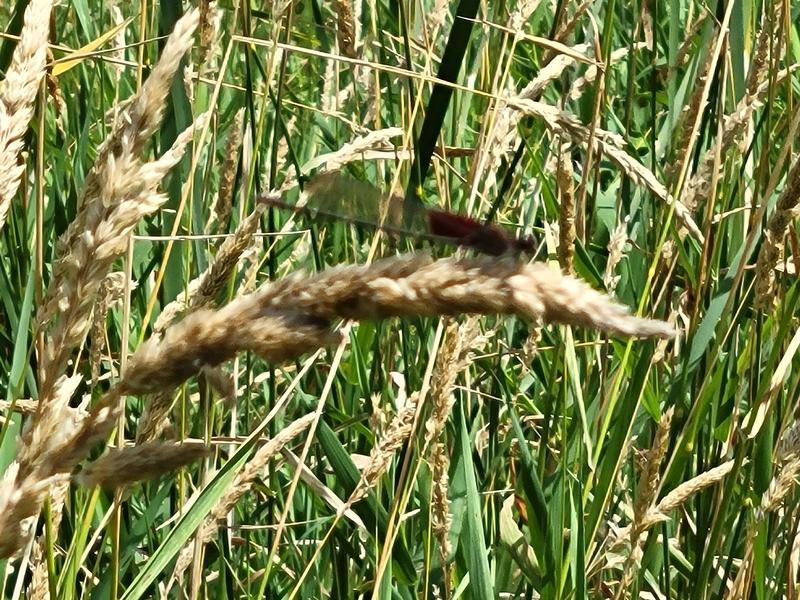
(340,197)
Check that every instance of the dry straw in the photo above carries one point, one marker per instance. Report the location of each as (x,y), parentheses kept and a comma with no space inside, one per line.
(566,209)
(124,466)
(688,115)
(660,511)
(22,405)
(441,518)
(382,453)
(683,53)
(39,588)
(734,127)
(17,95)
(120,189)
(111,292)
(154,421)
(566,29)
(770,21)
(582,83)
(345,28)
(87,262)
(451,360)
(203,290)
(786,210)
(646,493)
(114,179)
(285,319)
(611,146)
(782,483)
(221,212)
(616,248)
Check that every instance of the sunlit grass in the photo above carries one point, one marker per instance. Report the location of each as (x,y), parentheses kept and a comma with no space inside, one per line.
(429,454)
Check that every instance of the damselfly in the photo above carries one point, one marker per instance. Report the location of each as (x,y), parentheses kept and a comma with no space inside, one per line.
(338,197)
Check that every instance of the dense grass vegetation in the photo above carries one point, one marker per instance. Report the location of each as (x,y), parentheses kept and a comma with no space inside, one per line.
(356,433)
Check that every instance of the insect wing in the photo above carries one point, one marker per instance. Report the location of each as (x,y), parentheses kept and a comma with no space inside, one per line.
(340,197)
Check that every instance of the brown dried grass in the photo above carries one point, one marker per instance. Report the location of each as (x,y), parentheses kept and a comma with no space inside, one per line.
(345,28)
(397,433)
(119,190)
(611,146)
(646,493)
(203,290)
(285,319)
(143,462)
(786,210)
(222,208)
(17,95)
(566,210)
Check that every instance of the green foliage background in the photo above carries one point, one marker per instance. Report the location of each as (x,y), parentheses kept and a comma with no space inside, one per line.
(542,444)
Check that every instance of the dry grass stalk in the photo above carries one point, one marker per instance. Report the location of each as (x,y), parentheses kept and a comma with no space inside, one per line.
(733,136)
(17,95)
(682,55)
(688,116)
(566,29)
(435,18)
(112,181)
(143,462)
(119,191)
(770,19)
(16,516)
(780,486)
(204,289)
(644,176)
(415,286)
(207,29)
(646,493)
(54,92)
(382,453)
(616,248)
(208,337)
(50,450)
(610,145)
(39,588)
(334,161)
(111,292)
(786,210)
(221,213)
(241,484)
(660,512)
(21,405)
(660,352)
(130,195)
(154,420)
(345,28)
(441,519)
(522,12)
(649,480)
(685,491)
(287,318)
(550,72)
(453,357)
(580,85)
(562,122)
(789,443)
(566,209)
(498,137)
(57,497)
(222,383)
